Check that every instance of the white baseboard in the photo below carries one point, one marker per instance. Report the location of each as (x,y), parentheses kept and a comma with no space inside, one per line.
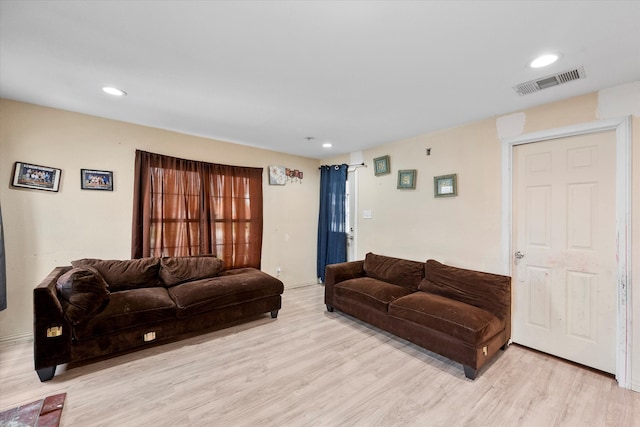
(15,339)
(299,285)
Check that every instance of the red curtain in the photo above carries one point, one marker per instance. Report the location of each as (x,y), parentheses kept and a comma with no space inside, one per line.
(186,207)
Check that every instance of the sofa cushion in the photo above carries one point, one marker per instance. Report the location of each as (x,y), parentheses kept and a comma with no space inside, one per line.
(371,292)
(174,270)
(126,309)
(491,292)
(466,322)
(125,274)
(398,271)
(83,292)
(229,288)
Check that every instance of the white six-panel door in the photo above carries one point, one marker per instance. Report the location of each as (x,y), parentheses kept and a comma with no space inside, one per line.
(564,272)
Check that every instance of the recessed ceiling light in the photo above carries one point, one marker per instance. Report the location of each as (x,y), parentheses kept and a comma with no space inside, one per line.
(544,60)
(114,91)
(327,145)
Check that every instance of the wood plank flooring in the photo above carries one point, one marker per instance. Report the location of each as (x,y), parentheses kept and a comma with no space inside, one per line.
(314,368)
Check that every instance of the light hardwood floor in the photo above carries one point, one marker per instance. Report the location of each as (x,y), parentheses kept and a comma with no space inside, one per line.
(314,368)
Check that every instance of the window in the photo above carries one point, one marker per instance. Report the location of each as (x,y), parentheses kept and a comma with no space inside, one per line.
(185,208)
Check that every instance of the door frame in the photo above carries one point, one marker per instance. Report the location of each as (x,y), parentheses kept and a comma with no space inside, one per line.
(352,248)
(622,128)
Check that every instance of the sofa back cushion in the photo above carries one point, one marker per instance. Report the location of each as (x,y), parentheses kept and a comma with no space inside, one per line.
(174,270)
(83,292)
(125,274)
(397,271)
(491,292)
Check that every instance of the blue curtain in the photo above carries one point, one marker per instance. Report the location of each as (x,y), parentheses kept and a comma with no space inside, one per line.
(3,270)
(332,234)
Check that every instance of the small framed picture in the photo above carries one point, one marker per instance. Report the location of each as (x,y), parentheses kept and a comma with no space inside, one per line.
(278,175)
(381,165)
(407,179)
(96,180)
(294,175)
(445,185)
(36,177)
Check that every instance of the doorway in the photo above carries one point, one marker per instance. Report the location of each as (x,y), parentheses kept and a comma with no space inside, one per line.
(564,240)
(539,303)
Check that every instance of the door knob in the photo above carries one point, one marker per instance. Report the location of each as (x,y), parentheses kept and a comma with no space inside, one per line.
(519,255)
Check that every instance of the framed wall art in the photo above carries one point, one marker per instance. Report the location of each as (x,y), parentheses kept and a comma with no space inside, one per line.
(407,179)
(381,165)
(36,177)
(96,180)
(294,175)
(445,185)
(277,175)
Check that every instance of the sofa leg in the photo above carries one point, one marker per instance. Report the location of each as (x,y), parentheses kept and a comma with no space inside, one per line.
(46,374)
(469,372)
(504,346)
(329,308)
(274,313)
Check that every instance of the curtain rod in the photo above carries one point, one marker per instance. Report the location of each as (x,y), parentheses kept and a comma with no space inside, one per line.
(355,165)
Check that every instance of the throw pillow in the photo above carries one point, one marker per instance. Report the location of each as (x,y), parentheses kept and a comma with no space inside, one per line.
(491,292)
(401,272)
(125,274)
(85,292)
(174,270)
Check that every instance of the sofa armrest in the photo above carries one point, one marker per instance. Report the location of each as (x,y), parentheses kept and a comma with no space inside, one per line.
(336,273)
(51,330)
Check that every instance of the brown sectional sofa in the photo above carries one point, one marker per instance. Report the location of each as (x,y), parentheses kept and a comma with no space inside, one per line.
(98,307)
(464,315)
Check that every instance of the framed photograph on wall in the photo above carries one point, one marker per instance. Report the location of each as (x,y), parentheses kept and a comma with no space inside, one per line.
(381,165)
(36,177)
(407,179)
(96,180)
(445,185)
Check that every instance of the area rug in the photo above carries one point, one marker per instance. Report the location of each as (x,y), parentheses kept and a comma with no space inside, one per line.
(41,413)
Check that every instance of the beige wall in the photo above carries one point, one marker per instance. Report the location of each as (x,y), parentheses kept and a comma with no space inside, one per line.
(44,229)
(463,230)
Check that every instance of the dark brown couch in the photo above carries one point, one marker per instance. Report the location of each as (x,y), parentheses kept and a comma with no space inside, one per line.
(461,314)
(98,307)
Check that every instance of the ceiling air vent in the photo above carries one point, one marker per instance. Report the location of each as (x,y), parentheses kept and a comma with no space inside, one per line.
(549,81)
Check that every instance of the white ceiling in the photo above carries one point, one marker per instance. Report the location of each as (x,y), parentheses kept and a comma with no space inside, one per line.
(270,73)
